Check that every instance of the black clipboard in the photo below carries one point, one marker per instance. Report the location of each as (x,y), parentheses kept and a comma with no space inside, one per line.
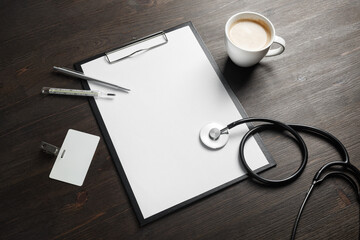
(117,160)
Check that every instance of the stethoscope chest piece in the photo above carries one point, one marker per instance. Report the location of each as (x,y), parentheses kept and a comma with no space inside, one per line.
(211,136)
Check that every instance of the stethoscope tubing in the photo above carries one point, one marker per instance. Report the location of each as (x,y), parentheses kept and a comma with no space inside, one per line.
(293,129)
(271,124)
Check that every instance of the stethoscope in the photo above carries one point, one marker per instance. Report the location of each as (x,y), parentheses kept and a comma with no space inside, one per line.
(215,136)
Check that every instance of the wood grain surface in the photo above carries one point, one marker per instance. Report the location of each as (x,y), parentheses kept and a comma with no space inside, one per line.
(315,82)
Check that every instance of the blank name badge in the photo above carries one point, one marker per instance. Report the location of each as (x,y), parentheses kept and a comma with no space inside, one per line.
(74,158)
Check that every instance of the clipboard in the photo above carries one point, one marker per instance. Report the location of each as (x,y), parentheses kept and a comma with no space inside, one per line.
(152,133)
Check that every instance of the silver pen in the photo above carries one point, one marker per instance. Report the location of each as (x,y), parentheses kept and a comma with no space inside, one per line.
(74,73)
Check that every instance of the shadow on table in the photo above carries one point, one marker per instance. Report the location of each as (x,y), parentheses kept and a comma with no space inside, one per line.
(239,77)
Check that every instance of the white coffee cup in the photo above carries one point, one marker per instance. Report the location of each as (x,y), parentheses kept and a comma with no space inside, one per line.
(246,57)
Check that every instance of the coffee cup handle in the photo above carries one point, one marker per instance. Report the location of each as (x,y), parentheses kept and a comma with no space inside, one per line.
(279,50)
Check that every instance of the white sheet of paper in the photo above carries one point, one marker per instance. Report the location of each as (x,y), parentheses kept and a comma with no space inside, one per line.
(74,157)
(155,128)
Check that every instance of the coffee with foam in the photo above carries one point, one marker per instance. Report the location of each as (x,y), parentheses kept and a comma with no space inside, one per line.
(249,34)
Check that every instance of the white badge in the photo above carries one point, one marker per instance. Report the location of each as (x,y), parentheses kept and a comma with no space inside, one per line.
(74,157)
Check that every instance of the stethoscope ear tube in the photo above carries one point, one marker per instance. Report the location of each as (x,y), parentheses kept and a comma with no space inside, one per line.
(346,170)
(340,174)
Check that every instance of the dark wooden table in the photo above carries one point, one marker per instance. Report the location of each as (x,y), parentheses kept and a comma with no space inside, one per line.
(315,82)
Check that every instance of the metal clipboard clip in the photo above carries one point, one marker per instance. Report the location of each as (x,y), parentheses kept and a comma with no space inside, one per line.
(141,45)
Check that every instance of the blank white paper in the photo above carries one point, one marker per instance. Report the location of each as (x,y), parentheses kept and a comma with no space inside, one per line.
(155,128)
